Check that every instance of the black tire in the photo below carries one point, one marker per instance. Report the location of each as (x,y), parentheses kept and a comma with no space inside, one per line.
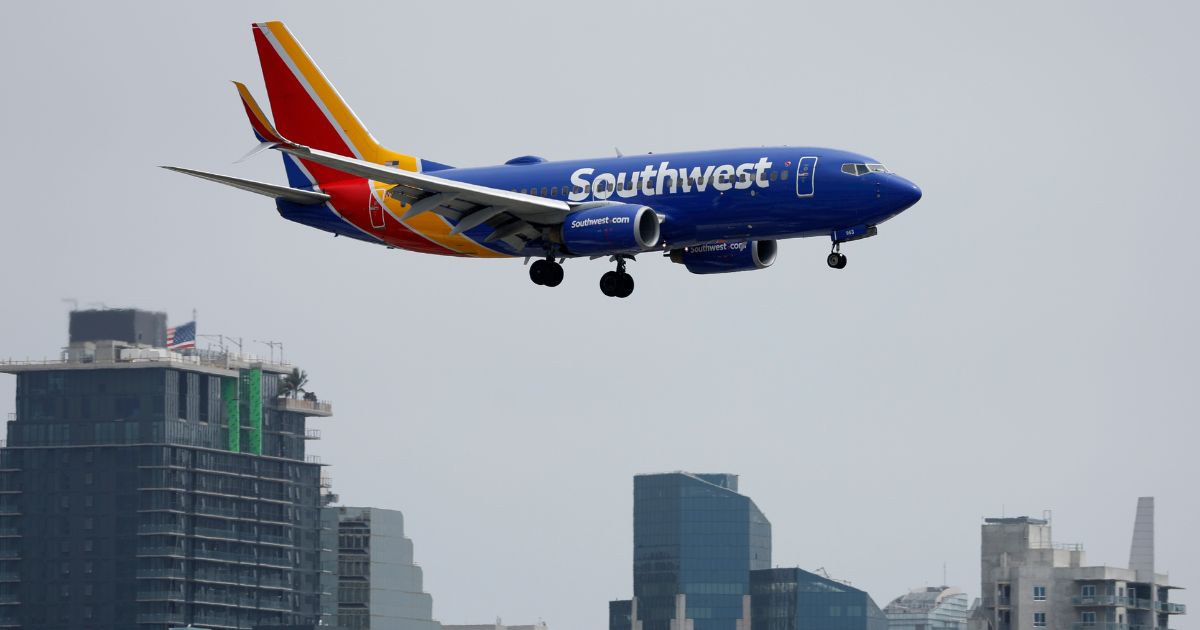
(537,272)
(554,275)
(625,285)
(609,283)
(833,260)
(841,261)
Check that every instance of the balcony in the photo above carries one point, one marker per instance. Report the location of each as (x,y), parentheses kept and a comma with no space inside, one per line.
(161,551)
(161,528)
(216,619)
(1171,608)
(1105,600)
(175,618)
(172,574)
(319,408)
(161,596)
(312,434)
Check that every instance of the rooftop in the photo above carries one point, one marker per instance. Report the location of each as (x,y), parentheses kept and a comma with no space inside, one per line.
(108,355)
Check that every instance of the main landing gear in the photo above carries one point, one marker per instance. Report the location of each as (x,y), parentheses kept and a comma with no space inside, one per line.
(836,258)
(617,283)
(546,272)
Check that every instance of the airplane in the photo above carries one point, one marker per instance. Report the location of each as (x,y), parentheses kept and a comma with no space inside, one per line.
(711,211)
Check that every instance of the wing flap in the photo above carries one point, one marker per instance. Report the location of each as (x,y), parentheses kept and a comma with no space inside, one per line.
(293,195)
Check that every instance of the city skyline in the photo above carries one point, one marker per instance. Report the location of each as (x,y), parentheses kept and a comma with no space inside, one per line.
(1014,345)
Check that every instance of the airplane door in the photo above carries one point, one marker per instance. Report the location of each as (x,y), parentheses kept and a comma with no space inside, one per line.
(376,212)
(805,173)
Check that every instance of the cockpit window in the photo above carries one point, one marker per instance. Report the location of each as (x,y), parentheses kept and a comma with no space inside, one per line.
(863,169)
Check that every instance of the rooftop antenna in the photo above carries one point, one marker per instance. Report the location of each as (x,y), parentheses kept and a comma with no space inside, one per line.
(272,345)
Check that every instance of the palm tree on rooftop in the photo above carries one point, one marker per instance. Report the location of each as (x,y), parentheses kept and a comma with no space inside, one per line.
(292,385)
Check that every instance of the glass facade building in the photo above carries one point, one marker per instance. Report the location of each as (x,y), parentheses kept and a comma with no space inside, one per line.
(794,599)
(379,585)
(693,535)
(144,490)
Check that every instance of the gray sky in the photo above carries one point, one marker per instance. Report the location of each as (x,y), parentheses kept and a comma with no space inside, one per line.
(1023,339)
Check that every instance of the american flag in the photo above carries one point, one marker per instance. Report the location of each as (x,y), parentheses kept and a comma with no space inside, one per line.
(183,336)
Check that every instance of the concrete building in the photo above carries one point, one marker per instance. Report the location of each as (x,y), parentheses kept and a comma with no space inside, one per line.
(379,585)
(929,608)
(144,489)
(1029,581)
(795,599)
(695,541)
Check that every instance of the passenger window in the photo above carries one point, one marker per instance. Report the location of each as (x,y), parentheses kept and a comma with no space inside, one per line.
(544,191)
(524,191)
(575,190)
(774,175)
(783,175)
(554,191)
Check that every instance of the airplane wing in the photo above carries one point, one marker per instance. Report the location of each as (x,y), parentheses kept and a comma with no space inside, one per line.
(293,195)
(470,204)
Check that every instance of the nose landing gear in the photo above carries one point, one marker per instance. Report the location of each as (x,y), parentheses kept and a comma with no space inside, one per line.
(836,259)
(617,283)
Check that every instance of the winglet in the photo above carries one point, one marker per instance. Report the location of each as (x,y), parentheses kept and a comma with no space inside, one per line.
(263,129)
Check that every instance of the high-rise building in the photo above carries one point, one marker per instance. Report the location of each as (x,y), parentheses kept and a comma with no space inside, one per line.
(143,489)
(379,585)
(794,599)
(929,608)
(1029,581)
(695,541)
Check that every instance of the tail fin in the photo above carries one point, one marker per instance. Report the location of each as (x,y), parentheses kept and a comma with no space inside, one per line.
(309,111)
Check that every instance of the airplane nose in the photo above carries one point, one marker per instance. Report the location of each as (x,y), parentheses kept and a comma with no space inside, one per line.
(908,192)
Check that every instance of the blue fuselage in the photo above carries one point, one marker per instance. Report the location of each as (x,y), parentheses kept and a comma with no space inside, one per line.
(706,196)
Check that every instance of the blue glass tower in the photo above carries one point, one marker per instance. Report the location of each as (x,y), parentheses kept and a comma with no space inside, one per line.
(693,535)
(794,599)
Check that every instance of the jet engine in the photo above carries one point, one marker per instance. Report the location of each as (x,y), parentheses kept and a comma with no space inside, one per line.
(610,229)
(727,256)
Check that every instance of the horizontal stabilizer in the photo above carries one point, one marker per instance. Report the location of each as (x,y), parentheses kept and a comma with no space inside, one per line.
(293,195)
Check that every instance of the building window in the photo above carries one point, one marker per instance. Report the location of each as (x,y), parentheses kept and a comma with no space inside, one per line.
(1039,620)
(1087,618)
(1088,590)
(1039,593)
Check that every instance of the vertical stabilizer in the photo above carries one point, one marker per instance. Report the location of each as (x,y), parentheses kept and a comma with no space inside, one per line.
(1141,552)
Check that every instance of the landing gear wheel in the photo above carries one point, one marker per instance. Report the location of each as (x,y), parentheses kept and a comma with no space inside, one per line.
(625,285)
(555,275)
(836,260)
(610,283)
(616,284)
(546,273)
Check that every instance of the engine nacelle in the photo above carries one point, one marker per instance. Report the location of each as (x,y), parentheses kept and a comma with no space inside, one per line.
(610,229)
(727,256)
